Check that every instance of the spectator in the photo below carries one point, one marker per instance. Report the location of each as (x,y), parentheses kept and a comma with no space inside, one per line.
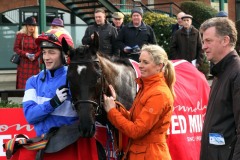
(179,23)
(150,115)
(107,34)
(134,35)
(58,24)
(47,102)
(29,52)
(186,43)
(117,18)
(222,14)
(221,128)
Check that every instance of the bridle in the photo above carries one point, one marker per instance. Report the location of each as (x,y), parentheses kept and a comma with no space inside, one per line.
(98,105)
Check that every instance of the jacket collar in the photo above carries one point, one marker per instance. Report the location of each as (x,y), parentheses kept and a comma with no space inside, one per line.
(122,25)
(143,26)
(222,65)
(103,26)
(57,72)
(147,81)
(192,29)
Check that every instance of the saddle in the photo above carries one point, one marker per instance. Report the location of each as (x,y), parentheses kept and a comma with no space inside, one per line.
(55,140)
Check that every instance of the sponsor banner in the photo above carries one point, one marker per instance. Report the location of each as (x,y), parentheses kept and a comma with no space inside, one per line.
(12,122)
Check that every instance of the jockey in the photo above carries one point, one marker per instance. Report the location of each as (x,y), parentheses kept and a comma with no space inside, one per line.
(47,102)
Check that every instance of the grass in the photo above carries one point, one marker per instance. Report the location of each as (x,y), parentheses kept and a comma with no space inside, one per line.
(9,104)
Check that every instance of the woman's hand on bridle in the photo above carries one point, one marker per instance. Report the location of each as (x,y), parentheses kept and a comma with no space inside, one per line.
(109,102)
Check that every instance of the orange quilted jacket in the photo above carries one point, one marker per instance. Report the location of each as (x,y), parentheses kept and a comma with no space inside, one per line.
(150,117)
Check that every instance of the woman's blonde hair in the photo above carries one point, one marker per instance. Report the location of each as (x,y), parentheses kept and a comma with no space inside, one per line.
(25,31)
(160,56)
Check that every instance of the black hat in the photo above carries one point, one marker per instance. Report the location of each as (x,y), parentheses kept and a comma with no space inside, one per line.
(187,16)
(137,10)
(30,21)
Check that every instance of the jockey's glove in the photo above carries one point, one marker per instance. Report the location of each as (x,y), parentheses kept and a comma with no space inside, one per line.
(60,97)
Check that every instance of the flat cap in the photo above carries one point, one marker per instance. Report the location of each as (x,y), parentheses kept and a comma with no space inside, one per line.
(187,16)
(117,15)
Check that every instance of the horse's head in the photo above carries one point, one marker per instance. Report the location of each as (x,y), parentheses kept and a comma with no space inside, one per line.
(89,74)
(84,79)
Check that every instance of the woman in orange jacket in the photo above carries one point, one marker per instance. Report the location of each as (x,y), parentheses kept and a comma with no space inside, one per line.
(150,114)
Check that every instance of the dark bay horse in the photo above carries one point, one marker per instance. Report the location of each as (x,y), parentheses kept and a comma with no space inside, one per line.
(89,74)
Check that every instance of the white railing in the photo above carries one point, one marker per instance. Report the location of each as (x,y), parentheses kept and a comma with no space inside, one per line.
(12,16)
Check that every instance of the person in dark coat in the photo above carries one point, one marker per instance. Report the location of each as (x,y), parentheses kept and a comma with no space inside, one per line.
(186,43)
(134,35)
(117,18)
(179,23)
(29,52)
(221,128)
(107,34)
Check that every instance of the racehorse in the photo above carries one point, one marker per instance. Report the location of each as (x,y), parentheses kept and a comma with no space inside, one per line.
(89,74)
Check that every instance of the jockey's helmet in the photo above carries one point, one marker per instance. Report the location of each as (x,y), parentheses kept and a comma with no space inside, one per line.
(53,39)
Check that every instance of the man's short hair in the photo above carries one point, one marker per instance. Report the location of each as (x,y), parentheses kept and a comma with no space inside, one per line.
(224,27)
(100,10)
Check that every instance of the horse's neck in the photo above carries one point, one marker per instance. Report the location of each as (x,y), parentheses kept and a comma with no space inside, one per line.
(122,78)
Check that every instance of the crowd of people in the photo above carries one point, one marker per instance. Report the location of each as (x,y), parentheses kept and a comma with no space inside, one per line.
(46,101)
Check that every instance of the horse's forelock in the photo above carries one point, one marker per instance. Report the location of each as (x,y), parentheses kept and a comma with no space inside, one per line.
(81,51)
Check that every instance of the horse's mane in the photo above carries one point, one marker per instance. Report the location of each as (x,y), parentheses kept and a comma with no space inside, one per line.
(115,59)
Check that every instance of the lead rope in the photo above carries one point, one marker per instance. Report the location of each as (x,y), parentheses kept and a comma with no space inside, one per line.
(110,141)
(120,106)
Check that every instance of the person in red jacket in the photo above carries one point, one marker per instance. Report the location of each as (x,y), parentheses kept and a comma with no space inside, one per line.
(150,115)
(29,52)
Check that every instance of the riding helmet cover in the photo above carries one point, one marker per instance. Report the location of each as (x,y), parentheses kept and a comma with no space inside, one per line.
(53,39)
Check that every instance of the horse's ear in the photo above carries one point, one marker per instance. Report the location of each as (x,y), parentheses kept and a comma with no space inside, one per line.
(95,41)
(65,46)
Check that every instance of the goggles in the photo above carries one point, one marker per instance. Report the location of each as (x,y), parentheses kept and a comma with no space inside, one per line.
(49,36)
(49,41)
(46,44)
